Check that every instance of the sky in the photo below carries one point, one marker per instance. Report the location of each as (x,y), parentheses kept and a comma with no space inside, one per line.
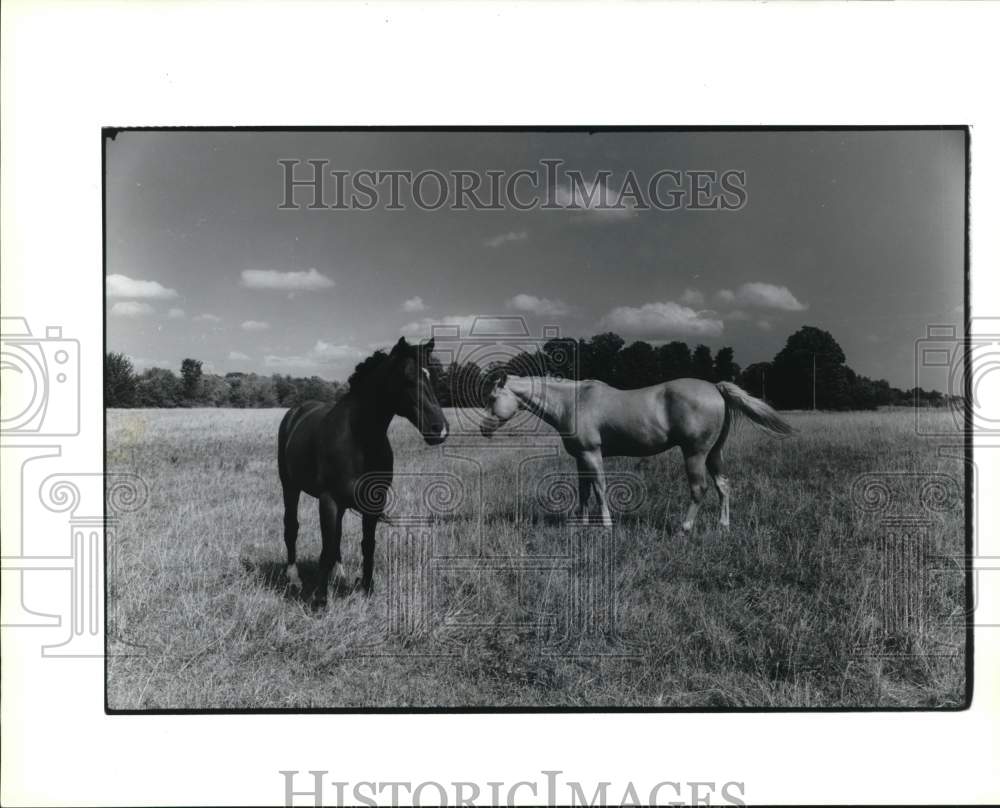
(859,233)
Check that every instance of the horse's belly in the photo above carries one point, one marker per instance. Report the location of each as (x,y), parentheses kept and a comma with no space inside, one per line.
(632,448)
(641,441)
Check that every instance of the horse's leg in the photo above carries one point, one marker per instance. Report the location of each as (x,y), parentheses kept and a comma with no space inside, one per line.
(339,576)
(584,483)
(330,519)
(368,525)
(695,464)
(292,533)
(595,470)
(715,468)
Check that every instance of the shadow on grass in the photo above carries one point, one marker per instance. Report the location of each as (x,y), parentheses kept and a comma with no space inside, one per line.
(273,575)
(559,520)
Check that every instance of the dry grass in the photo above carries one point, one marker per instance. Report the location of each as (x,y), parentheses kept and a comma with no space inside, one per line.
(784,610)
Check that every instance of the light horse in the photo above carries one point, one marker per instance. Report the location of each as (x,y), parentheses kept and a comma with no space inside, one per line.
(596,421)
(340,453)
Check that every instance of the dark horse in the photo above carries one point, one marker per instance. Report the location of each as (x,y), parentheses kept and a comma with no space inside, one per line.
(340,453)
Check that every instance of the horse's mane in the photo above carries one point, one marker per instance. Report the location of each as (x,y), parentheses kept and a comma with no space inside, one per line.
(365,369)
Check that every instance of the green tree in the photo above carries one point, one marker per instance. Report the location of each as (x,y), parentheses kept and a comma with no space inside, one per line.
(120,385)
(158,387)
(191,379)
(754,379)
(259,391)
(600,356)
(811,359)
(674,360)
(214,390)
(725,369)
(702,366)
(638,366)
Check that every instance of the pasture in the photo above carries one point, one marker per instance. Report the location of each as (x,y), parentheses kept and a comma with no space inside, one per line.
(812,598)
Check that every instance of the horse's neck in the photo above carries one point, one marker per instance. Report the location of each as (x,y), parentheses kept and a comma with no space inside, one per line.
(372,410)
(547,399)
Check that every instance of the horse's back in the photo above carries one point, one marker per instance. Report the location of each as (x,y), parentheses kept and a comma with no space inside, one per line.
(621,422)
(694,393)
(649,420)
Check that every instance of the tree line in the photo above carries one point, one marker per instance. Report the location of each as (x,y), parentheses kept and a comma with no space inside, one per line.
(809,371)
(162,388)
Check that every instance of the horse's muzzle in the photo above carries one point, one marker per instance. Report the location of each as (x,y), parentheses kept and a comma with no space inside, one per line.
(436,436)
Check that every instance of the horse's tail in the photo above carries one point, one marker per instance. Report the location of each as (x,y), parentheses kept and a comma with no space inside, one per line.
(739,401)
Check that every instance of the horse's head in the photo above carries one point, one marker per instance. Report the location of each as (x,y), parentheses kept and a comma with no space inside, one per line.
(413,388)
(501,405)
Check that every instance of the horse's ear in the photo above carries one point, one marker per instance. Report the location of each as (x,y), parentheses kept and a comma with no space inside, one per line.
(399,345)
(429,346)
(502,378)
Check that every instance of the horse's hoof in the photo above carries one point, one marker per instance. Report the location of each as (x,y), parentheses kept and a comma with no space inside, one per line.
(318,604)
(361,586)
(294,581)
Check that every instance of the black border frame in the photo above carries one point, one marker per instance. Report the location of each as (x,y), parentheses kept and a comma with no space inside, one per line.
(110,132)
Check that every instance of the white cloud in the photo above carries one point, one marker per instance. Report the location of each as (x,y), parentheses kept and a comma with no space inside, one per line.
(692,297)
(254,325)
(309,281)
(423,329)
(238,356)
(175,314)
(466,325)
(333,353)
(414,304)
(737,316)
(144,363)
(322,353)
(123,286)
(763,296)
(129,308)
(290,362)
(208,318)
(767,295)
(660,320)
(506,238)
(537,305)
(764,325)
(596,198)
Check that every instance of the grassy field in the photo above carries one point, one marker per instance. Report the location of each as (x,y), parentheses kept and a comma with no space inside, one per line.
(485,591)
